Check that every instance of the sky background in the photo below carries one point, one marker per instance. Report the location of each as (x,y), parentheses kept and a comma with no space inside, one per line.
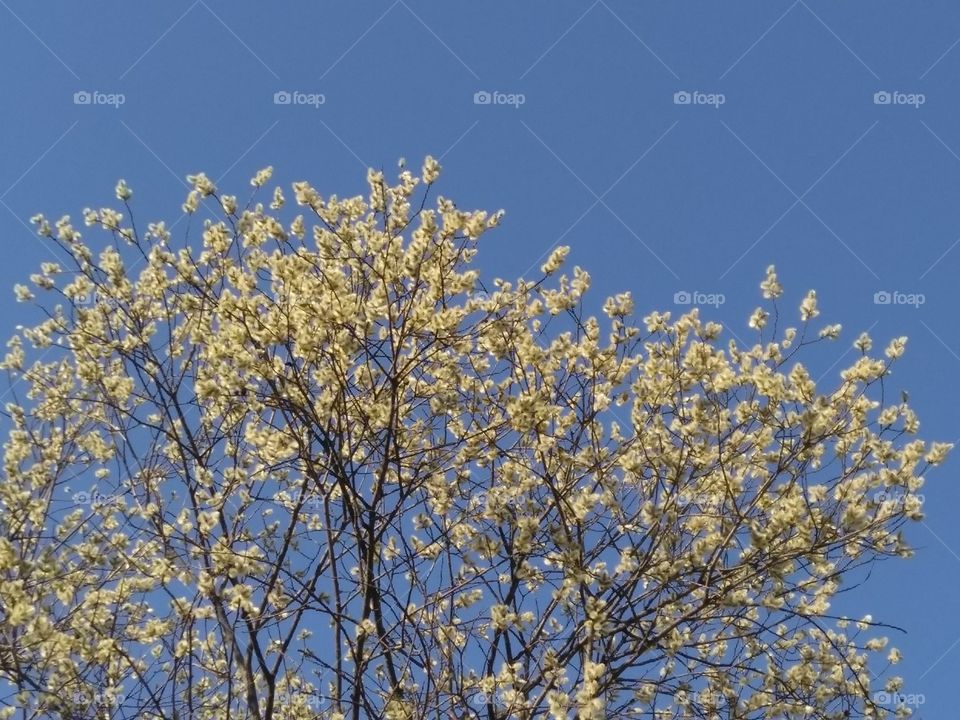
(787,153)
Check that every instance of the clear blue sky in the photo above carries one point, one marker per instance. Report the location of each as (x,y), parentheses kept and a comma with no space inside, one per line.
(802,165)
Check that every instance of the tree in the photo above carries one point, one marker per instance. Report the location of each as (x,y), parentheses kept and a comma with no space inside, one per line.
(317,470)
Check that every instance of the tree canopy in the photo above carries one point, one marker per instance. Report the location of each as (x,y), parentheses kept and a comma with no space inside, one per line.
(314,467)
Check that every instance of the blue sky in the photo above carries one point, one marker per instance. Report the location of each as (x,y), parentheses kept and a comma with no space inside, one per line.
(818,136)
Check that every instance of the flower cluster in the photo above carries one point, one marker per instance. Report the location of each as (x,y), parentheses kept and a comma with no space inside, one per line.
(346,476)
